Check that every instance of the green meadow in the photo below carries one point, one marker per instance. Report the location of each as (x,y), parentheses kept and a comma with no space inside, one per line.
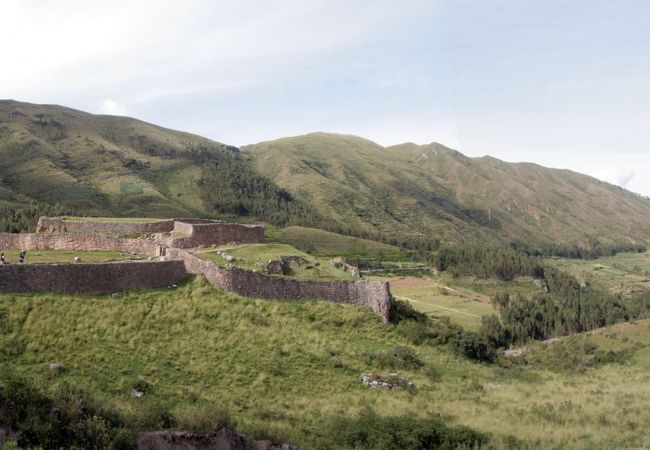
(287,370)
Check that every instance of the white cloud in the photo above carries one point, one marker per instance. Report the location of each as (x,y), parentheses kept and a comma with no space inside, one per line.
(111,107)
(619,176)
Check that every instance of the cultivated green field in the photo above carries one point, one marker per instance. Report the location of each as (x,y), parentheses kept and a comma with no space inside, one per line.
(67,256)
(462,306)
(285,369)
(624,272)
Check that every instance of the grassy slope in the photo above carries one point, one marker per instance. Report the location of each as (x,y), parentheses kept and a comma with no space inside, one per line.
(96,164)
(256,256)
(325,243)
(282,367)
(438,192)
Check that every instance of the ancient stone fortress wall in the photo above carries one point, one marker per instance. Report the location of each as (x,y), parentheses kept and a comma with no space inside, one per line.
(101,278)
(373,294)
(215,233)
(69,241)
(56,225)
(110,277)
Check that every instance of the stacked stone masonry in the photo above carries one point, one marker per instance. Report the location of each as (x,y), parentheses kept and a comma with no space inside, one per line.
(99,278)
(108,277)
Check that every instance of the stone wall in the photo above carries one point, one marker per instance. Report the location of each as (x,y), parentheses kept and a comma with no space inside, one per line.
(70,241)
(373,294)
(99,278)
(54,225)
(215,233)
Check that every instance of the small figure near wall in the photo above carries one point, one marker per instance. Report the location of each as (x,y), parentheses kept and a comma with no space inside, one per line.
(21,256)
(2,259)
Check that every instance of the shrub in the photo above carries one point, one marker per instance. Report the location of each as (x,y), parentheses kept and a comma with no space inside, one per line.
(397,358)
(367,430)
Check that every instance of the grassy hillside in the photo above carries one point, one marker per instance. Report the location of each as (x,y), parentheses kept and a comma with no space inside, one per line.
(293,370)
(97,164)
(436,192)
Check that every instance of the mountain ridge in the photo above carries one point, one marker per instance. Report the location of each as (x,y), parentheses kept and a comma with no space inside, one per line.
(103,164)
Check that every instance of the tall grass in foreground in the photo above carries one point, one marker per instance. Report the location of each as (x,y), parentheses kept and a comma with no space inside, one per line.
(289,370)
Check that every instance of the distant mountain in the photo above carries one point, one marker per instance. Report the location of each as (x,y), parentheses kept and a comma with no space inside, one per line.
(108,165)
(433,191)
(98,164)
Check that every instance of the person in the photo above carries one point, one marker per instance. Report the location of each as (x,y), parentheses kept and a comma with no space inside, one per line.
(2,258)
(21,256)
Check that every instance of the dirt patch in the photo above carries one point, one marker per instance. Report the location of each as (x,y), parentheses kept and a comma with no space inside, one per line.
(411,282)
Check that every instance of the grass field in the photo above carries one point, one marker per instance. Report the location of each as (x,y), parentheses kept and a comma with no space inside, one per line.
(284,368)
(462,306)
(325,243)
(67,256)
(256,256)
(624,272)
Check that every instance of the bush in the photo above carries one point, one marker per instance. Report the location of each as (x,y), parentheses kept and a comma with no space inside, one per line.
(397,358)
(367,430)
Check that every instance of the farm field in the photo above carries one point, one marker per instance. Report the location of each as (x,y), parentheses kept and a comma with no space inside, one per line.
(624,272)
(461,305)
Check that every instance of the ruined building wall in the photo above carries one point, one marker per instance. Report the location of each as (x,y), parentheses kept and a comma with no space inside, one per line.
(69,241)
(101,278)
(373,294)
(215,233)
(54,225)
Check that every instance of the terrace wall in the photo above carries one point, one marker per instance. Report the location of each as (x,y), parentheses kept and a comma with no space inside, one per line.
(101,278)
(373,294)
(215,233)
(54,225)
(70,241)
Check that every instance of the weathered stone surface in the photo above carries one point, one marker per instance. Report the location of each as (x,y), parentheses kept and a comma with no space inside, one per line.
(101,278)
(70,241)
(224,439)
(214,233)
(54,225)
(275,267)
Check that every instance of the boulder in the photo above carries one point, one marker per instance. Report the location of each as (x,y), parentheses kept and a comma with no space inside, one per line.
(275,267)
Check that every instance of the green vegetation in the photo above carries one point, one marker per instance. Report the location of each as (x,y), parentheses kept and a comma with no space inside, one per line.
(14,220)
(626,273)
(67,256)
(463,306)
(410,191)
(256,256)
(410,196)
(291,371)
(325,243)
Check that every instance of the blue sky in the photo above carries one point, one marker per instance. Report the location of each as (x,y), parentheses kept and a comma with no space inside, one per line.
(563,84)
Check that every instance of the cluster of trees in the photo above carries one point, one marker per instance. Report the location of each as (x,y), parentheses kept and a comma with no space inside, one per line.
(592,250)
(25,219)
(486,261)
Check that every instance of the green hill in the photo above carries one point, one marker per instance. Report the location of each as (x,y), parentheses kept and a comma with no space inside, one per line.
(97,164)
(118,166)
(437,192)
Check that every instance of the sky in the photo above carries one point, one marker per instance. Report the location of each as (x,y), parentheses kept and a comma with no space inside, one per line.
(564,84)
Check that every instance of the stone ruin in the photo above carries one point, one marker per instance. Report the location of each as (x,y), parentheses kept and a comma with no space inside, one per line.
(169,245)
